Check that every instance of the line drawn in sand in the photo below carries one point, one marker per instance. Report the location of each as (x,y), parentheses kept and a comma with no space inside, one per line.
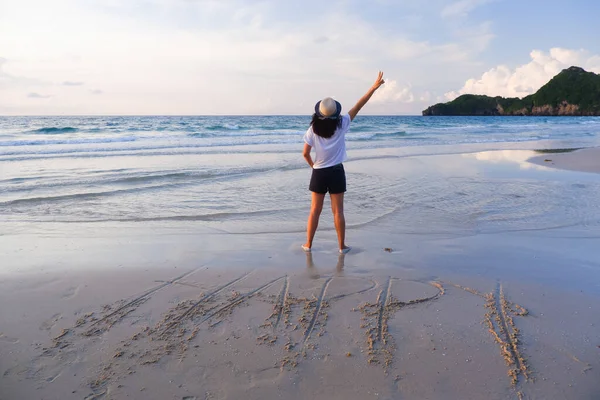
(375,317)
(237,301)
(89,325)
(204,298)
(49,364)
(317,304)
(179,325)
(175,330)
(283,307)
(499,321)
(312,316)
(117,315)
(279,308)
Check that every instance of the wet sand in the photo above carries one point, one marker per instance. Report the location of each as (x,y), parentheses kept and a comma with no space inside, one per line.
(584,160)
(116,311)
(321,327)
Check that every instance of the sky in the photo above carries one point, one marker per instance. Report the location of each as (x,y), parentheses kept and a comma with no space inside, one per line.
(278,57)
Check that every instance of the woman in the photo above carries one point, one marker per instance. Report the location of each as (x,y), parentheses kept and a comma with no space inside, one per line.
(327,134)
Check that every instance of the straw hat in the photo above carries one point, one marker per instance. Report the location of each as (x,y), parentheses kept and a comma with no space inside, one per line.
(328,108)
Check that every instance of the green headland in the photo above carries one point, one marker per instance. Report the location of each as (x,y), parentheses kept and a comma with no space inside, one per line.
(573,91)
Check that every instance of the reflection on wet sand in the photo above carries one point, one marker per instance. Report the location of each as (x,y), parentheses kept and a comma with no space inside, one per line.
(313,272)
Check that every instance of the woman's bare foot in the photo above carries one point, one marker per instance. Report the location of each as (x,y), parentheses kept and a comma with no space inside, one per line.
(345,249)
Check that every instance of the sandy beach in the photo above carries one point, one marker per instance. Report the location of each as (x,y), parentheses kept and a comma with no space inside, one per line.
(585,160)
(418,311)
(296,200)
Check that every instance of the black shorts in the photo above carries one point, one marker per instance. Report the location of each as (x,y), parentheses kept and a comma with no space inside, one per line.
(330,179)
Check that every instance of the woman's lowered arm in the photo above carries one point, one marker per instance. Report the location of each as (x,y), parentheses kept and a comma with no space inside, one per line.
(306,154)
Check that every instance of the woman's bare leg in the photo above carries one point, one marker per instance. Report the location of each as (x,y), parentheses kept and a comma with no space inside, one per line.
(337,207)
(313,218)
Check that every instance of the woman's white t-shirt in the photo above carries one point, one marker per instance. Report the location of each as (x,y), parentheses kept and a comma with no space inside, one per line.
(330,151)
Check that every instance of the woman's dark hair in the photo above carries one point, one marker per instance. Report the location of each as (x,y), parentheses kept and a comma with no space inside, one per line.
(325,127)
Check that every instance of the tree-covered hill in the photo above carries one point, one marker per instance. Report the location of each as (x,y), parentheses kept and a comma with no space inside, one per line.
(573,91)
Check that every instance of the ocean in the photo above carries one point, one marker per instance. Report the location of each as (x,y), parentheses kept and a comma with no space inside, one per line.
(50,137)
(245,174)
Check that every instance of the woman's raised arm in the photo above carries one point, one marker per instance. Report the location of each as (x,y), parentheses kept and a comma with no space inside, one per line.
(363,100)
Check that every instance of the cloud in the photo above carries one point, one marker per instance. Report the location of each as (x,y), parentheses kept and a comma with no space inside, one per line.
(34,95)
(10,80)
(96,91)
(244,53)
(527,78)
(390,92)
(425,96)
(461,8)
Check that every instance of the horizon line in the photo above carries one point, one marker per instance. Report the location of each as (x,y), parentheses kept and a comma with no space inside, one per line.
(193,115)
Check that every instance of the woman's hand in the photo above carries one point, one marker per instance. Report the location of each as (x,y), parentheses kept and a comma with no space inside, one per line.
(378,82)
(363,100)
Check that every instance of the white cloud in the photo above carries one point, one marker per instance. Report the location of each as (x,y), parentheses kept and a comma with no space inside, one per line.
(390,92)
(528,78)
(425,97)
(206,56)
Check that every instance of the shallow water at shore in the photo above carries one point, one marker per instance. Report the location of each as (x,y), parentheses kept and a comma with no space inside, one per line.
(455,194)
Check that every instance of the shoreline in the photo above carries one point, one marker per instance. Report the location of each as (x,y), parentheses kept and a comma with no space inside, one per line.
(581,160)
